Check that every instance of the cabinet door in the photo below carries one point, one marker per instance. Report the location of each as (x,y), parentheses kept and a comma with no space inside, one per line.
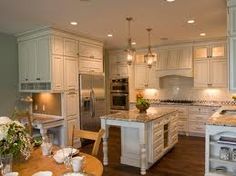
(70,47)
(122,70)
(140,76)
(232,60)
(57,45)
(218,51)
(153,82)
(218,72)
(23,61)
(32,57)
(71,99)
(43,63)
(70,125)
(162,57)
(201,73)
(201,52)
(173,59)
(90,50)
(70,73)
(232,21)
(185,58)
(90,65)
(57,72)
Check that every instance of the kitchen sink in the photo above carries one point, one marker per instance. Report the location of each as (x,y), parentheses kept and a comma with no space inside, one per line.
(228,112)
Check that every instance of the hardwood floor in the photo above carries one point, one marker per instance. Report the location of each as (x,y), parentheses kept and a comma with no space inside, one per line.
(185,159)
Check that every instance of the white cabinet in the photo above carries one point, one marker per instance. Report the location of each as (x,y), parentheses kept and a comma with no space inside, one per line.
(70,125)
(186,61)
(70,47)
(162,57)
(201,73)
(70,73)
(57,45)
(90,58)
(57,73)
(210,50)
(210,73)
(232,21)
(43,62)
(145,77)
(210,65)
(71,104)
(173,59)
(118,65)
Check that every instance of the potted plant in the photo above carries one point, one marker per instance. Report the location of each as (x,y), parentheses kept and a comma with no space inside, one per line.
(14,139)
(142,104)
(234,97)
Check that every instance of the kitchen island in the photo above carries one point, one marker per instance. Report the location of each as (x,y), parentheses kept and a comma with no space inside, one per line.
(221,137)
(145,138)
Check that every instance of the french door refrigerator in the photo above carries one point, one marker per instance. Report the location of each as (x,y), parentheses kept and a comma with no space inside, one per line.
(92,101)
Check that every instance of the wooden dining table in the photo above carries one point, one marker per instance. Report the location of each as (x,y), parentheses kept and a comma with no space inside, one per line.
(37,162)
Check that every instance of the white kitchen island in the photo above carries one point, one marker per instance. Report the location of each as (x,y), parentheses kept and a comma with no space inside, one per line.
(145,138)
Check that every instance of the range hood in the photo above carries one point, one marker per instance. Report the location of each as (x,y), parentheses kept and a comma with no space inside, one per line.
(175,72)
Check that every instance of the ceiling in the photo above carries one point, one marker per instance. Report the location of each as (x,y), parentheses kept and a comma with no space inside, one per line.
(97,18)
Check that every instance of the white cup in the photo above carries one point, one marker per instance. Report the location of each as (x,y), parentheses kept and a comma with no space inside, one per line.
(77,163)
(12,174)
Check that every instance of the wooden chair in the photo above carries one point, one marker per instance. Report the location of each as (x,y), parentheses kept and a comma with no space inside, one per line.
(96,136)
(25,118)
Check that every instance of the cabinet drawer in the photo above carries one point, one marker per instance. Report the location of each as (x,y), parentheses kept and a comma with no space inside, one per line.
(90,65)
(182,127)
(197,127)
(157,125)
(157,136)
(200,118)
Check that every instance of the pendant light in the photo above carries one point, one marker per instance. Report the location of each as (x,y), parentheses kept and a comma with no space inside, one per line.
(130,51)
(149,57)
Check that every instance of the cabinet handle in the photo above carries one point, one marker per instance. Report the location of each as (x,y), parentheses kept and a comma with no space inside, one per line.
(38,79)
(209,85)
(26,79)
(92,57)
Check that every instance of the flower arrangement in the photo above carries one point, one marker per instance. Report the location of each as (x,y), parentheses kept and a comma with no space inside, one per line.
(142,104)
(14,138)
(234,97)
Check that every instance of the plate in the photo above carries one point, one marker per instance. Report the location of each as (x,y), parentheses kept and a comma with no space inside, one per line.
(60,154)
(43,173)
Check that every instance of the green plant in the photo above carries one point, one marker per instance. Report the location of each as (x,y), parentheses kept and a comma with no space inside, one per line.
(142,102)
(14,138)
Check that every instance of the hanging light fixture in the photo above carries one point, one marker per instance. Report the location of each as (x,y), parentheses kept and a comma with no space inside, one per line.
(149,57)
(130,51)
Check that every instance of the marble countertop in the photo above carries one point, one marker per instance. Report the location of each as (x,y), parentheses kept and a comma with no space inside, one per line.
(224,119)
(42,118)
(134,115)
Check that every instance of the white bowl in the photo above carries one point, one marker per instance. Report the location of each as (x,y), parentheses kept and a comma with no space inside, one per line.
(59,155)
(43,173)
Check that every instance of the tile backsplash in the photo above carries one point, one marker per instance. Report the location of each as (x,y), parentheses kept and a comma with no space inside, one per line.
(181,88)
(47,103)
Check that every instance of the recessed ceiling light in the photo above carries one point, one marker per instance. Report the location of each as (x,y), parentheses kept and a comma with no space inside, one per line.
(191,21)
(109,35)
(74,23)
(203,34)
(170,0)
(133,43)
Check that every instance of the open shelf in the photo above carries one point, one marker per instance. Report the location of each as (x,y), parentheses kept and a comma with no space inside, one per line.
(221,144)
(215,173)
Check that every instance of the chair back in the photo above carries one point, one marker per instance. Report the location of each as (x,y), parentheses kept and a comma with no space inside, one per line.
(25,118)
(96,136)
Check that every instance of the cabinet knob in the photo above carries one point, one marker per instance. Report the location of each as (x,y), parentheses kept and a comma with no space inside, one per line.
(26,79)
(37,79)
(92,57)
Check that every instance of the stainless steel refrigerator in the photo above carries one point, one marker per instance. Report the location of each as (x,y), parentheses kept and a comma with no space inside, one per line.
(92,101)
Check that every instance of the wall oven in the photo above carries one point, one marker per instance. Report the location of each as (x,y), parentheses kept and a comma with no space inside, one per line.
(119,94)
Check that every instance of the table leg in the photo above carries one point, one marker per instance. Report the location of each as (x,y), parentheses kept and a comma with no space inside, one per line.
(105,141)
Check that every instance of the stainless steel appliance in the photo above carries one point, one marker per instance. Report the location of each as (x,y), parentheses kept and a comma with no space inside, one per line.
(92,101)
(119,94)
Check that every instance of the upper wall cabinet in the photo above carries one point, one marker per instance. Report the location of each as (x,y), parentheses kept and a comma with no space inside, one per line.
(210,50)
(210,65)
(118,64)
(232,20)
(90,58)
(41,61)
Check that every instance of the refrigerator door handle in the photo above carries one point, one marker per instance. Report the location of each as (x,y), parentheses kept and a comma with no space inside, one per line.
(93,100)
(91,103)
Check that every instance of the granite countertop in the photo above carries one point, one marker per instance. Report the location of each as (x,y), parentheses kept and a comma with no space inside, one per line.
(224,119)
(135,116)
(42,119)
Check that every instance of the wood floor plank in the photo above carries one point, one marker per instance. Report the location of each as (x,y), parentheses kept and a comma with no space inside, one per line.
(185,159)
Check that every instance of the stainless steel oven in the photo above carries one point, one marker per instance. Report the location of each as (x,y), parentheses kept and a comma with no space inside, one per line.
(119,90)
(120,101)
